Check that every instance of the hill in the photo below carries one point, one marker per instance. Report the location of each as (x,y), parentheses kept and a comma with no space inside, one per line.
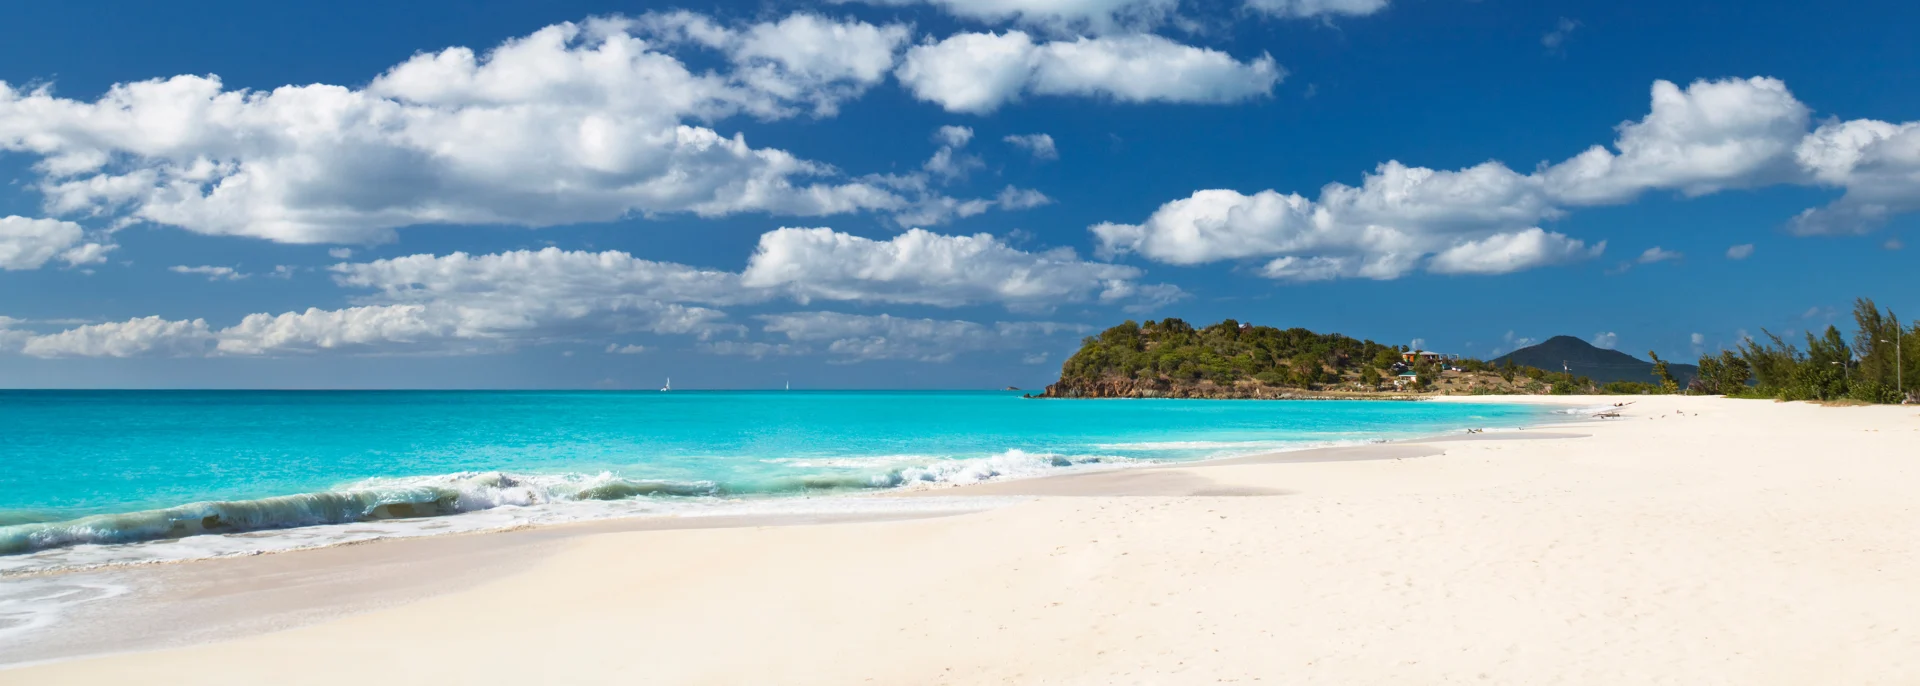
(1585,359)
(1172,359)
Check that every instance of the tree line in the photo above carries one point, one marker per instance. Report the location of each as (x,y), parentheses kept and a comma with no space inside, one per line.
(1879,364)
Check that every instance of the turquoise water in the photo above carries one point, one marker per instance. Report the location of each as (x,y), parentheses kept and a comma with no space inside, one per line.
(91,468)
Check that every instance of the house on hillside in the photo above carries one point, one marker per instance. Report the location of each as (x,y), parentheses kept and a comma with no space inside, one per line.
(1428,355)
(1404,379)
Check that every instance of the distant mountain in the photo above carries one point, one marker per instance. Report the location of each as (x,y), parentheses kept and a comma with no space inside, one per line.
(1600,364)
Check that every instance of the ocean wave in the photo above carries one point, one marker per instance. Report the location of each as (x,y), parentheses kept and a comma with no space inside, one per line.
(369,500)
(1200,445)
(407,498)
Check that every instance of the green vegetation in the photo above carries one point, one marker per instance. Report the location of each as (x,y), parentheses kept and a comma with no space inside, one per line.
(1881,357)
(1171,354)
(1224,353)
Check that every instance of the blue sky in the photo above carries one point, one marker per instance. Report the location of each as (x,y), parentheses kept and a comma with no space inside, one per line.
(856,194)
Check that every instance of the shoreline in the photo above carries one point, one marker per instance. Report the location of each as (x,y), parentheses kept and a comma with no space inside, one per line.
(733,507)
(364,560)
(1110,575)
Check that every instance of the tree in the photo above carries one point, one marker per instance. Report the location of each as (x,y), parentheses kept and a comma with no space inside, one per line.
(1660,373)
(1725,374)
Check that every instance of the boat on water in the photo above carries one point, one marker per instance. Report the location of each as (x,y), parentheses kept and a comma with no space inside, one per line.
(669,385)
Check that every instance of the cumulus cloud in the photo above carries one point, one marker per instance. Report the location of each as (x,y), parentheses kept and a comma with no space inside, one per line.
(1606,339)
(1512,252)
(27,243)
(921,267)
(132,338)
(212,273)
(949,163)
(1062,16)
(462,303)
(1510,342)
(1485,219)
(885,337)
(340,253)
(629,349)
(753,349)
(1040,145)
(1876,162)
(1740,252)
(1552,40)
(1109,16)
(1308,9)
(1711,136)
(802,58)
(977,73)
(1657,254)
(573,123)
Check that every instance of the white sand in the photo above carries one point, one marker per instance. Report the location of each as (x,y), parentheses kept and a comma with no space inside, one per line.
(1737,542)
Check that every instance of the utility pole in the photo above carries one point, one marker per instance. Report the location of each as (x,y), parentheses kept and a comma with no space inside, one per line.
(1899,378)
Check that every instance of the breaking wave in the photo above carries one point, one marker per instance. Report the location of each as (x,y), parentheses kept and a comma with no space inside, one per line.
(411,498)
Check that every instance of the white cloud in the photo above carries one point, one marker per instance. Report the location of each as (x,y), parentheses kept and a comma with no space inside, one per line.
(949,163)
(1098,16)
(27,243)
(753,349)
(1021,198)
(1657,254)
(461,303)
(1740,252)
(1511,343)
(1558,36)
(316,329)
(1878,163)
(340,253)
(1418,344)
(1710,136)
(1381,230)
(629,349)
(921,267)
(979,72)
(573,123)
(1039,144)
(132,338)
(1109,16)
(885,337)
(802,58)
(212,273)
(1512,252)
(1714,135)
(1307,9)
(1606,339)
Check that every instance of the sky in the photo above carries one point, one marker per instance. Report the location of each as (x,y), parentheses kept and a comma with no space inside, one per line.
(926,193)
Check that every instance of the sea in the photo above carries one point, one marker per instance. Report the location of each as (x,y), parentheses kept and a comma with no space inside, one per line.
(94,479)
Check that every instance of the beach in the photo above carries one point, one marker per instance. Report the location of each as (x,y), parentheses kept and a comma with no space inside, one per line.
(1691,540)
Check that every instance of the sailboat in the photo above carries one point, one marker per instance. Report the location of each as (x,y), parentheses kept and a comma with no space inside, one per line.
(789,385)
(669,385)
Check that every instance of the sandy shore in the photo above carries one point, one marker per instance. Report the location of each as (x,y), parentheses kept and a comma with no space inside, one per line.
(1692,541)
